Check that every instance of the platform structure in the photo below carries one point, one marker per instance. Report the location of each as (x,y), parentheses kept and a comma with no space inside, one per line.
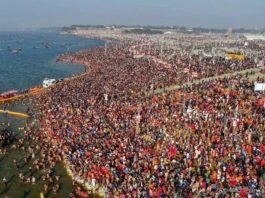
(14,114)
(2,100)
(33,91)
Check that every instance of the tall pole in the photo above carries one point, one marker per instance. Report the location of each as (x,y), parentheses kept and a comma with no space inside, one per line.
(161,51)
(149,49)
(106,48)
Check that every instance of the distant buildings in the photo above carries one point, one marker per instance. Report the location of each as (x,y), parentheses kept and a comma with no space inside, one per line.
(252,37)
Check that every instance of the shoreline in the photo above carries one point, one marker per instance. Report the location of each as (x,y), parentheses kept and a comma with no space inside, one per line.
(87,185)
(96,190)
(92,190)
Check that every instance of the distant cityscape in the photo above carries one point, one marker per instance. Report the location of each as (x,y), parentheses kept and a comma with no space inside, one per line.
(146,29)
(151,29)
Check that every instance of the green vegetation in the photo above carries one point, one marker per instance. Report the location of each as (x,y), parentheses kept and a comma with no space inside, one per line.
(151,29)
(142,31)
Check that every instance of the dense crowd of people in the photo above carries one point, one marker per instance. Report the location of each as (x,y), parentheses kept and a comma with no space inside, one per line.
(7,137)
(116,66)
(201,140)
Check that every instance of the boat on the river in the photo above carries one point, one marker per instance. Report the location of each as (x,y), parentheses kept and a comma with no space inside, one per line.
(14,114)
(10,95)
(16,51)
(48,82)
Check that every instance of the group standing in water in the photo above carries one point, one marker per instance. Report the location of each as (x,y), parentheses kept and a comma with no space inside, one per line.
(38,162)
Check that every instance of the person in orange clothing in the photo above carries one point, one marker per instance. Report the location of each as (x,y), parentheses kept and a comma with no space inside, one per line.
(214,176)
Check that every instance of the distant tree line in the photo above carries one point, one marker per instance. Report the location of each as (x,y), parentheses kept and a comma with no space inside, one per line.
(149,29)
(142,31)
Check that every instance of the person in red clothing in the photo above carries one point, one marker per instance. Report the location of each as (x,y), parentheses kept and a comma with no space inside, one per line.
(243,193)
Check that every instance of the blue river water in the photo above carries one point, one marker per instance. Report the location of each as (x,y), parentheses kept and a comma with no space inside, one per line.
(26,58)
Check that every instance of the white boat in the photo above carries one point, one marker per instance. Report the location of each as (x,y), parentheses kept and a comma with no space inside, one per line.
(48,82)
(16,51)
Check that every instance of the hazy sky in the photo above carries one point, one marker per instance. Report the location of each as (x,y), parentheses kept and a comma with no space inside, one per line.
(191,13)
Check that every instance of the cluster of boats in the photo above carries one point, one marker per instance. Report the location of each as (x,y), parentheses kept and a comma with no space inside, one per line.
(10,95)
(19,50)
(42,45)
(15,94)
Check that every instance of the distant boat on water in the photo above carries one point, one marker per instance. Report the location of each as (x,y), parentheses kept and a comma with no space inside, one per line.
(16,51)
(46,44)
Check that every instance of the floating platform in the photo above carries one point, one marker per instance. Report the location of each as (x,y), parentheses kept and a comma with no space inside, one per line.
(10,99)
(33,91)
(14,114)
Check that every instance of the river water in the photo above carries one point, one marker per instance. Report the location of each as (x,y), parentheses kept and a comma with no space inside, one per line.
(36,60)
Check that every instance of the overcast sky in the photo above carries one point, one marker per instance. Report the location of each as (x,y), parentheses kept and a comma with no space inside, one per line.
(191,13)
